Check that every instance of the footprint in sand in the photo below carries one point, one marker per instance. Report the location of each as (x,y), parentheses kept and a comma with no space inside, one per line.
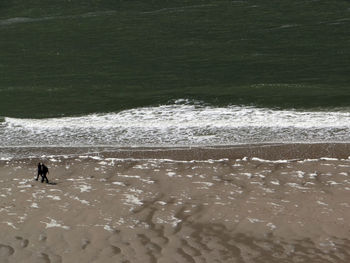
(43,258)
(84,243)
(111,251)
(6,251)
(23,243)
(42,237)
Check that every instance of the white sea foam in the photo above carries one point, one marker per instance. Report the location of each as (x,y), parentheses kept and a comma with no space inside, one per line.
(54,223)
(269,161)
(171,174)
(271,226)
(179,124)
(34,205)
(20,20)
(177,9)
(80,200)
(5,159)
(10,224)
(132,199)
(54,197)
(169,220)
(255,220)
(84,188)
(119,183)
(205,183)
(108,228)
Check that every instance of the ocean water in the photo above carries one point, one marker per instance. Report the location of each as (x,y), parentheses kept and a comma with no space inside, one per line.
(179,73)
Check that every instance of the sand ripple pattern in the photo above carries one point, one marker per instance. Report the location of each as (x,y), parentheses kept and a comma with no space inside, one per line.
(152,210)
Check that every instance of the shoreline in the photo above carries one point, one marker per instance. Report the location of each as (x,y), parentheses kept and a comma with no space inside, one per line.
(269,151)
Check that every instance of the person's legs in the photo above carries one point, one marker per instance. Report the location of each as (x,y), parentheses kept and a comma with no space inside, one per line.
(37,177)
(44,178)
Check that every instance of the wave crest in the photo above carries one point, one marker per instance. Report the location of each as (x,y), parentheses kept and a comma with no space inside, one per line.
(182,123)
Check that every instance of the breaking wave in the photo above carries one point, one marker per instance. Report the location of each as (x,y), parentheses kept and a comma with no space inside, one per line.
(179,124)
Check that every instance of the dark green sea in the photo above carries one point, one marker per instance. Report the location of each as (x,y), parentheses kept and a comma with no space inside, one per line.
(131,73)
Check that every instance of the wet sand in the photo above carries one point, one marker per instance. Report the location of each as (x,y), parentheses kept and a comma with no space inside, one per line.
(210,205)
(265,151)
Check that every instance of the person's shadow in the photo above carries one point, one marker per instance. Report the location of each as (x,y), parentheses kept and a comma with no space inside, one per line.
(52,183)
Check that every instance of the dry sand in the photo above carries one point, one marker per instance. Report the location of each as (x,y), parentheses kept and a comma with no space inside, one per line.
(109,208)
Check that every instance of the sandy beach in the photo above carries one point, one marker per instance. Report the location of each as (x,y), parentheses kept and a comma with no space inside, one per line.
(267,203)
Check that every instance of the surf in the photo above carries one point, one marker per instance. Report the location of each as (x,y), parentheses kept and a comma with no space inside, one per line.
(180,124)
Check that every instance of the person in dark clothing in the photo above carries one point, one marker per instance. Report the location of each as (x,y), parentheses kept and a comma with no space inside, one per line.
(39,171)
(44,171)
